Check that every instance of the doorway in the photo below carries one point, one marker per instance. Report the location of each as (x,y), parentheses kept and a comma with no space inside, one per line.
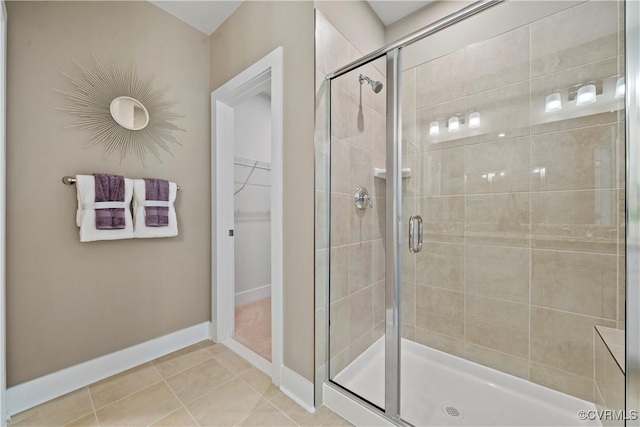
(247,214)
(252,224)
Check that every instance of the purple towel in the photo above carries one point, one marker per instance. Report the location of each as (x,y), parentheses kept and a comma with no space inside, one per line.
(109,188)
(156,189)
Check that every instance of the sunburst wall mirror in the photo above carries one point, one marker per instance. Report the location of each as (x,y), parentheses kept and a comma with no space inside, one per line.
(122,111)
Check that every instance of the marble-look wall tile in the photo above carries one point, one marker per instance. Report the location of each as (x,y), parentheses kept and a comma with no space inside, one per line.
(504,113)
(498,219)
(443,172)
(494,359)
(409,90)
(568,118)
(497,62)
(581,159)
(439,341)
(563,340)
(338,326)
(575,282)
(441,265)
(579,35)
(440,310)
(360,266)
(498,167)
(498,272)
(443,218)
(440,80)
(360,313)
(440,113)
(497,324)
(565,382)
(575,220)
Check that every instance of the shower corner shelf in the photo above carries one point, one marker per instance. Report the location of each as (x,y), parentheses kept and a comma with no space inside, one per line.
(382,173)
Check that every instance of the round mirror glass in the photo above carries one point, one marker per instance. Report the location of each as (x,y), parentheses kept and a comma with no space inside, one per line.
(129,113)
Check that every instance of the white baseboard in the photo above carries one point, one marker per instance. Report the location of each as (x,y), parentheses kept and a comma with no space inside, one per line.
(258,361)
(351,410)
(32,393)
(298,388)
(247,297)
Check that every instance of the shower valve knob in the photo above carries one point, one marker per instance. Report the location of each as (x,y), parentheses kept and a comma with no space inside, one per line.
(362,199)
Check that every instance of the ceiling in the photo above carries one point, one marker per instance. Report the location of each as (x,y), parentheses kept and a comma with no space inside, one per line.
(207,16)
(390,11)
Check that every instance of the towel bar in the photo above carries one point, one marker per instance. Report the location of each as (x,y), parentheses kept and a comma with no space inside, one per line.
(69,180)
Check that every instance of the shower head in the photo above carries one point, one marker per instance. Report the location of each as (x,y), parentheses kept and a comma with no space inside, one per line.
(375,85)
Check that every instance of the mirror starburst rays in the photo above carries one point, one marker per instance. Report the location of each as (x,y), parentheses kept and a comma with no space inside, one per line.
(95,91)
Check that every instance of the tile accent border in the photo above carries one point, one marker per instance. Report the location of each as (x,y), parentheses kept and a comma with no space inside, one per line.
(32,393)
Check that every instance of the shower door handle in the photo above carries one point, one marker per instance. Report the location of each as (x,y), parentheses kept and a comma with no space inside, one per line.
(412,246)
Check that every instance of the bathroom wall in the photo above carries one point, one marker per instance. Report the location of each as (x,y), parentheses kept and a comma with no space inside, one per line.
(524,215)
(253,31)
(68,302)
(356,247)
(357,21)
(252,228)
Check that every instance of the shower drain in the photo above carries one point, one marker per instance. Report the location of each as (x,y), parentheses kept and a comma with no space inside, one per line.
(452,412)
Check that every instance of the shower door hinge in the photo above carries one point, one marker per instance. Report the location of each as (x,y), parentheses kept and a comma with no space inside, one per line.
(230,233)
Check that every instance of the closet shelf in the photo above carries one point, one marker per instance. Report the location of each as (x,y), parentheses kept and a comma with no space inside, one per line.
(382,173)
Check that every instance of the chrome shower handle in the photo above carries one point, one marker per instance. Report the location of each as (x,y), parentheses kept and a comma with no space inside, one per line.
(411,238)
(412,247)
(362,198)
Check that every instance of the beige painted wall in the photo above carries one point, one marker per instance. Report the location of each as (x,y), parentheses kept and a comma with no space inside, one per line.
(69,302)
(253,31)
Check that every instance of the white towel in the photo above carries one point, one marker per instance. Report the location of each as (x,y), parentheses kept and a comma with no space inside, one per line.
(139,199)
(86,217)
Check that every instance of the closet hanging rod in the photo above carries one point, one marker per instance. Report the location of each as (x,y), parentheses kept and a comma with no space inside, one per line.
(239,161)
(254,185)
(69,180)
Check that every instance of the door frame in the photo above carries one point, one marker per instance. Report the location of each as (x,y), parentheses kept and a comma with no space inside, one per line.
(3,199)
(267,72)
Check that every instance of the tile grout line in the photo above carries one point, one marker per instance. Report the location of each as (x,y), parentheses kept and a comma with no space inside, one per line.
(228,366)
(176,396)
(209,391)
(154,383)
(95,412)
(128,395)
(211,356)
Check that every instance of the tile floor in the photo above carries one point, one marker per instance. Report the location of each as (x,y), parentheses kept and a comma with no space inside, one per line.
(253,326)
(202,385)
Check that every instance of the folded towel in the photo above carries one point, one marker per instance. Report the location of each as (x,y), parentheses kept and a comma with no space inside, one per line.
(141,204)
(109,188)
(87,207)
(156,189)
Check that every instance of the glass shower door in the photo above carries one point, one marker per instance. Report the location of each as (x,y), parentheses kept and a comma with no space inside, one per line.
(357,232)
(513,165)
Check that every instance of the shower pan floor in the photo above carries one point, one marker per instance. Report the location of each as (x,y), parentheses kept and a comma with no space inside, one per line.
(439,389)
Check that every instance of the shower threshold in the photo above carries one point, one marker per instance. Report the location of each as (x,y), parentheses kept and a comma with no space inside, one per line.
(439,389)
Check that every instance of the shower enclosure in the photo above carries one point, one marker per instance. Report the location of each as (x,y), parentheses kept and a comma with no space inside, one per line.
(472,217)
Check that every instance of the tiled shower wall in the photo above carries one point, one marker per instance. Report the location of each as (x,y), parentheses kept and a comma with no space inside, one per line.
(524,216)
(356,246)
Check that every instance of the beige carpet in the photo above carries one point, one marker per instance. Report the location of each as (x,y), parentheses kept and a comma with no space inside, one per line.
(253,326)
